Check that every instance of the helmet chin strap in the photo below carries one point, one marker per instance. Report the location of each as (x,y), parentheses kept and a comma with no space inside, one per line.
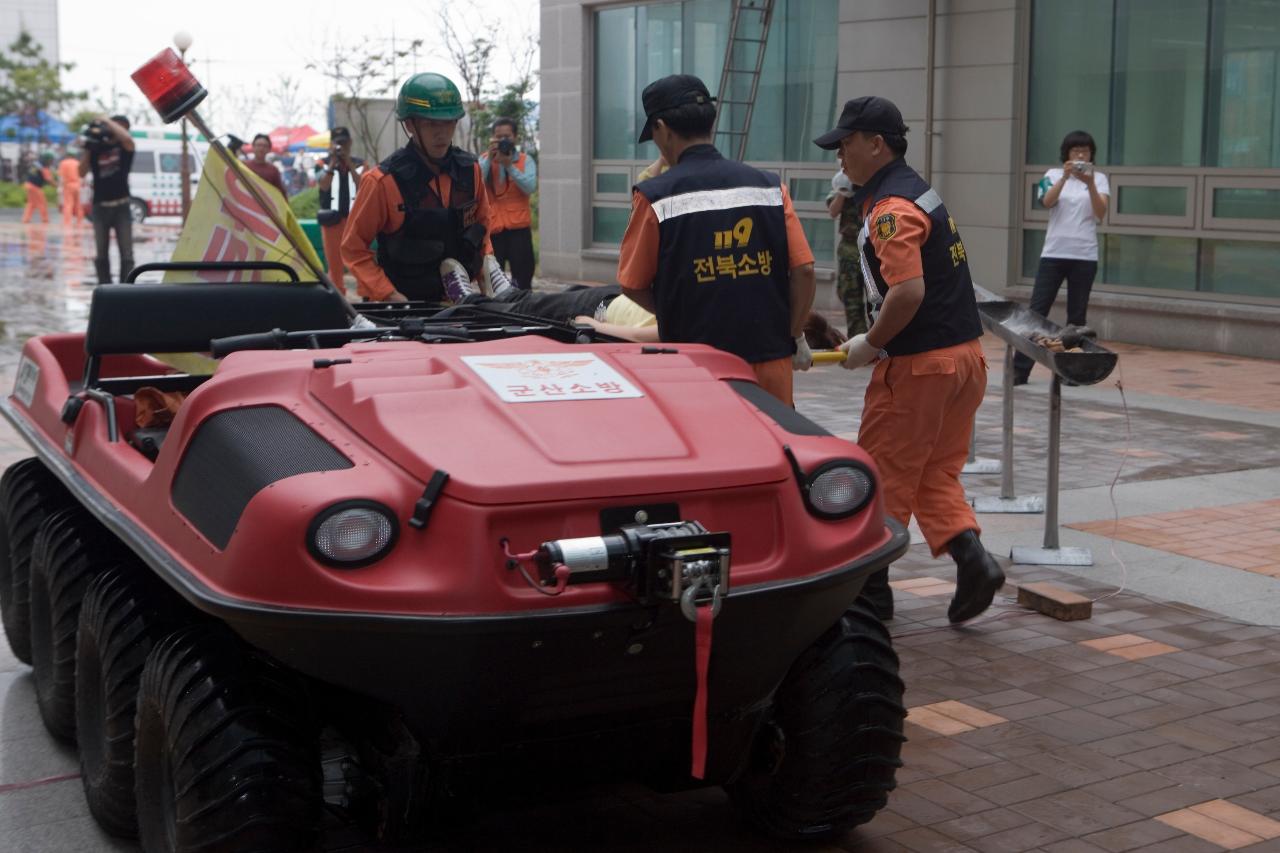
(416,136)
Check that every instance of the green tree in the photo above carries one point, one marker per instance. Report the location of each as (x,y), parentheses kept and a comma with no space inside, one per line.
(30,83)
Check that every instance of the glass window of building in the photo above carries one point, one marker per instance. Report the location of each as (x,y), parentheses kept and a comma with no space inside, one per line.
(1174,92)
(637,44)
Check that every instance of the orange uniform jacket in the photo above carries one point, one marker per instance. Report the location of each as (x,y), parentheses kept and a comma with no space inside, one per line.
(378,209)
(510,205)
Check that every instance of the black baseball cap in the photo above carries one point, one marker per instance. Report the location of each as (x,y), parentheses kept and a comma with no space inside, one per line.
(338,134)
(669,93)
(869,113)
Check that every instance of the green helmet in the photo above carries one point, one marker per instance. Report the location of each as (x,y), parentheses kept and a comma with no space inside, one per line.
(46,157)
(429,96)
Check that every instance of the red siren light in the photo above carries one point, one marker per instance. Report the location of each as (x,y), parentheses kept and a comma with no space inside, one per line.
(169,85)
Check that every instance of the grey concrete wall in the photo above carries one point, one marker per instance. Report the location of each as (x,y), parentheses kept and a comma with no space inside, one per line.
(564,158)
(884,51)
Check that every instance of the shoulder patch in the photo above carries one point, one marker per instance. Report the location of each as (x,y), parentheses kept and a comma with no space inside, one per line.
(886,226)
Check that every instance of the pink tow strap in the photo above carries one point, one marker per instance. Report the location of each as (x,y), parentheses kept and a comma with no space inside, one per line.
(702,658)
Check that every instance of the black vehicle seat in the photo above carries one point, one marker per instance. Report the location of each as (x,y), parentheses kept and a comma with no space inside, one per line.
(149,318)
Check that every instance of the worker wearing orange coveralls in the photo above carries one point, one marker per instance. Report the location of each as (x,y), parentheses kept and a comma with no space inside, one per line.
(69,178)
(714,247)
(425,205)
(929,376)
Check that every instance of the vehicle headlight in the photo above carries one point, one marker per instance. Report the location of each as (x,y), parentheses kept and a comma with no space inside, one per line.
(352,534)
(838,489)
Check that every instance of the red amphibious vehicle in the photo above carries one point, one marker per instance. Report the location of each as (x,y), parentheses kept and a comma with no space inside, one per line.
(372,567)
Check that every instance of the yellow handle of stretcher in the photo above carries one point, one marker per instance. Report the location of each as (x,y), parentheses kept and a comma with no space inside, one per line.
(828,356)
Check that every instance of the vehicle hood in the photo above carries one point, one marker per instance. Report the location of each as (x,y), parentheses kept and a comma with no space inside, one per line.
(529,419)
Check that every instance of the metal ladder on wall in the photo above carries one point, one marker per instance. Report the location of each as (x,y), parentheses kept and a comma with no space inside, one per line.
(748,26)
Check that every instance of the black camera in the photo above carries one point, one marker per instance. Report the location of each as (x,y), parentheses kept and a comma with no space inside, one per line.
(95,136)
(506,147)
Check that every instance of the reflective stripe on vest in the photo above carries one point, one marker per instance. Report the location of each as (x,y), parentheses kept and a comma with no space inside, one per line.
(707,200)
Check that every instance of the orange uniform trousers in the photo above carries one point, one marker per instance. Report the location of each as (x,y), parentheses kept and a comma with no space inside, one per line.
(775,377)
(36,203)
(916,425)
(331,239)
(72,209)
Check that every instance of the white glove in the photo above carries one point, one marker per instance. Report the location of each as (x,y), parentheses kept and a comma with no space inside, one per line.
(802,359)
(841,185)
(858,353)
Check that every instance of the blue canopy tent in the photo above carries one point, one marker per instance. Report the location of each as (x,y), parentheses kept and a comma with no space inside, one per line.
(41,127)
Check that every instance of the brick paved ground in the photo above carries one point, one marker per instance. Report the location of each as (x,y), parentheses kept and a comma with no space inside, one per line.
(1153,726)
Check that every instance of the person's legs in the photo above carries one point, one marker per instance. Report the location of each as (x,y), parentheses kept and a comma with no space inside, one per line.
(123,224)
(34,196)
(102,242)
(850,291)
(942,510)
(775,377)
(1080,276)
(501,247)
(331,239)
(520,253)
(1049,277)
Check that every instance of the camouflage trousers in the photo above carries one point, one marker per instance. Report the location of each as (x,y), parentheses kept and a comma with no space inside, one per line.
(850,290)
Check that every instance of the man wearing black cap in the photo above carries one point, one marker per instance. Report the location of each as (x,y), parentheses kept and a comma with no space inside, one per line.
(338,184)
(924,344)
(736,269)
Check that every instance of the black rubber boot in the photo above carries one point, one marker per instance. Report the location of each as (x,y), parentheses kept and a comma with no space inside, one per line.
(877,592)
(978,576)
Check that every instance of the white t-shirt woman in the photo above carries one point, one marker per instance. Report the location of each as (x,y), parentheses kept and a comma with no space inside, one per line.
(1077,196)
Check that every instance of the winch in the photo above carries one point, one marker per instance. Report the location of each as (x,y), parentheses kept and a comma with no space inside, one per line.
(679,561)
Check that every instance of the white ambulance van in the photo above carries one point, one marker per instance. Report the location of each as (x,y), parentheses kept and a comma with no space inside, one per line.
(155,181)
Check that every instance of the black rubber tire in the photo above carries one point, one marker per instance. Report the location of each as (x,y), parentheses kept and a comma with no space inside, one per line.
(28,493)
(69,551)
(227,750)
(126,613)
(826,759)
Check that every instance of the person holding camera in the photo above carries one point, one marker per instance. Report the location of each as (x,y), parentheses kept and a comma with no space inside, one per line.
(338,183)
(108,154)
(1076,196)
(510,177)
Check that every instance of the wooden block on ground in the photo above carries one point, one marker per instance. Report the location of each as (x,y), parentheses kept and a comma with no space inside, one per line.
(1055,601)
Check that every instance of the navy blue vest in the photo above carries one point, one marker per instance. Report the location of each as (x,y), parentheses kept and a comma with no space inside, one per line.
(723,264)
(949,313)
(411,255)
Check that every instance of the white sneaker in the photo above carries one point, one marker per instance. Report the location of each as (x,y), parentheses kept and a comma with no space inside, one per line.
(494,280)
(457,284)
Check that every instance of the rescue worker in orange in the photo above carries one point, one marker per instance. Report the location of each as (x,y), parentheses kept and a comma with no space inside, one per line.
(69,179)
(38,177)
(929,374)
(714,247)
(425,205)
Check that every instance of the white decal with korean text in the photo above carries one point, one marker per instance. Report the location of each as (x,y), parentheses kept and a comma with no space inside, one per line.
(544,377)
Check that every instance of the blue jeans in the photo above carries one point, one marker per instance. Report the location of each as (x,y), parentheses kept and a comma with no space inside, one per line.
(1049,276)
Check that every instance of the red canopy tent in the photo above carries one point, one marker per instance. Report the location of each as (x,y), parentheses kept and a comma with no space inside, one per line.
(283,137)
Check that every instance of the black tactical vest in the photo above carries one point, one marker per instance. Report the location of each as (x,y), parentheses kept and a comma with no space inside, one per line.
(723,264)
(431,232)
(949,313)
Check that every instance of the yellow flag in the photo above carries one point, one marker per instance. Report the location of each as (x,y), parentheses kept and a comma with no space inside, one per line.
(226,223)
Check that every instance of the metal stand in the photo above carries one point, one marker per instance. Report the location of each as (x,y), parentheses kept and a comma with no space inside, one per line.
(1008,501)
(974,464)
(1052,554)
